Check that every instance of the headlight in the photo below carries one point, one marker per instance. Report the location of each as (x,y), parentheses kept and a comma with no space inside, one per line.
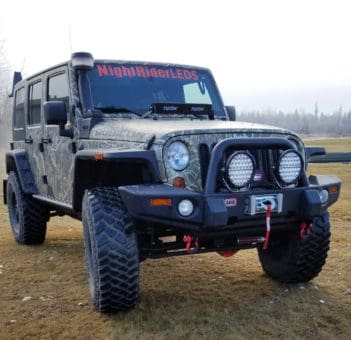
(178,156)
(240,168)
(290,166)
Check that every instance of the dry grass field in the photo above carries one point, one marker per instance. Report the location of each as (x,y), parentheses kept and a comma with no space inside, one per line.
(44,290)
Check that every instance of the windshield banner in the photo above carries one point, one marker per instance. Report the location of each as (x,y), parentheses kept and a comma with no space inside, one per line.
(122,71)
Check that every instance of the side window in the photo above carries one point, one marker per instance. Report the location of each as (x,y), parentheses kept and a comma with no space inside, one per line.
(18,119)
(34,103)
(58,89)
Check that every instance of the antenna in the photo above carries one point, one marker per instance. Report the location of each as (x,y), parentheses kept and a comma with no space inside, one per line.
(23,64)
(70,39)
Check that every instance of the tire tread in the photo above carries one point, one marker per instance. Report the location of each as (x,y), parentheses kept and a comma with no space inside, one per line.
(304,259)
(34,215)
(114,250)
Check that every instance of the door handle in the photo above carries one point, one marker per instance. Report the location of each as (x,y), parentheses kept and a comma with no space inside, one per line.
(29,140)
(42,142)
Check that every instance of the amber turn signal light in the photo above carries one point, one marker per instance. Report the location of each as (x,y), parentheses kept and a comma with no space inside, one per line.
(179,182)
(333,188)
(99,156)
(160,202)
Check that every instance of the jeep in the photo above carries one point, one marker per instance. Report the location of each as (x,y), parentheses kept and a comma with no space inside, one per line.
(150,160)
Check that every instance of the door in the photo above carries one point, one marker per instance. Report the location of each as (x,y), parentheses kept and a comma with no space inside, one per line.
(58,150)
(34,133)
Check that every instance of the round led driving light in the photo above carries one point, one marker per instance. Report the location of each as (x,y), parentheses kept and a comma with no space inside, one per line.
(185,207)
(240,167)
(178,156)
(290,167)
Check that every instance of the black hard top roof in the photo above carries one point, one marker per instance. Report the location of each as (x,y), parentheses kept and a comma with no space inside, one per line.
(109,61)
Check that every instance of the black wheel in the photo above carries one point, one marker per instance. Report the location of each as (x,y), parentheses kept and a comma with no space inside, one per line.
(295,258)
(27,217)
(111,250)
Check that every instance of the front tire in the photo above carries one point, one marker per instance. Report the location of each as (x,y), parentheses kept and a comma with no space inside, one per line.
(27,217)
(292,259)
(111,250)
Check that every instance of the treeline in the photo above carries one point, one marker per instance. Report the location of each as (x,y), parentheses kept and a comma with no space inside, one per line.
(337,123)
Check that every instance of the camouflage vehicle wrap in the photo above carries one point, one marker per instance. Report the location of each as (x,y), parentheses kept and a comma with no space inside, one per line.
(154,164)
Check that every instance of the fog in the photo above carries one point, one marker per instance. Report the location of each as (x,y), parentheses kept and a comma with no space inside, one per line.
(4,137)
(328,99)
(269,57)
(283,55)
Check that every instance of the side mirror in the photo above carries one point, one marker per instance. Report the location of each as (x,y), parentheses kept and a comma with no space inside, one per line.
(231,112)
(55,113)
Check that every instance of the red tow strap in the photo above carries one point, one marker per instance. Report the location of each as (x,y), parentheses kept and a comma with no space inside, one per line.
(188,240)
(227,253)
(305,229)
(268,227)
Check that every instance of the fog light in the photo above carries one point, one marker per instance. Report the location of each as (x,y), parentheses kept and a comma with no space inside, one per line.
(324,195)
(240,167)
(290,167)
(185,207)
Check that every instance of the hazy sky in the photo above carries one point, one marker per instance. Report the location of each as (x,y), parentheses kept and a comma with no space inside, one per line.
(264,53)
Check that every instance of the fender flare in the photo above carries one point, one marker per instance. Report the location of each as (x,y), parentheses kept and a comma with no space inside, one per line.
(88,163)
(17,161)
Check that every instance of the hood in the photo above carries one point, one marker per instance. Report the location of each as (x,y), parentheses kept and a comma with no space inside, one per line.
(142,130)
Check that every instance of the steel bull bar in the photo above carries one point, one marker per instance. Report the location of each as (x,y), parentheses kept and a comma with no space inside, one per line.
(215,211)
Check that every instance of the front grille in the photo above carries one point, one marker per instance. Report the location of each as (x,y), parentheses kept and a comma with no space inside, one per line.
(204,155)
(265,162)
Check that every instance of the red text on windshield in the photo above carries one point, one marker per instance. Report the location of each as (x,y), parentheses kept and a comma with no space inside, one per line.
(140,71)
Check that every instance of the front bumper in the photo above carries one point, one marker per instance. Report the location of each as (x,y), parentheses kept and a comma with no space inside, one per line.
(215,211)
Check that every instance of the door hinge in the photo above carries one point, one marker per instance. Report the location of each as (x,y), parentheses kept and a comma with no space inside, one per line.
(73,147)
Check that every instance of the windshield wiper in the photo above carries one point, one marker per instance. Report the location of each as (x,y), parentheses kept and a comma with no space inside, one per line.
(115,109)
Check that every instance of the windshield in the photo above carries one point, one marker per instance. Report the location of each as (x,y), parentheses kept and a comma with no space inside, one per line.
(135,87)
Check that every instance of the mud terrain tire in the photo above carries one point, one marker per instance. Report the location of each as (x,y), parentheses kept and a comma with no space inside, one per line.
(294,260)
(111,250)
(27,217)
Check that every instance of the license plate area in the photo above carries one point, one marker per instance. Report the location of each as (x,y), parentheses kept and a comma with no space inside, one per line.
(257,204)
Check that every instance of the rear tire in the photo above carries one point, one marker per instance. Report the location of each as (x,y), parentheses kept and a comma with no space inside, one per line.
(27,217)
(111,250)
(292,259)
